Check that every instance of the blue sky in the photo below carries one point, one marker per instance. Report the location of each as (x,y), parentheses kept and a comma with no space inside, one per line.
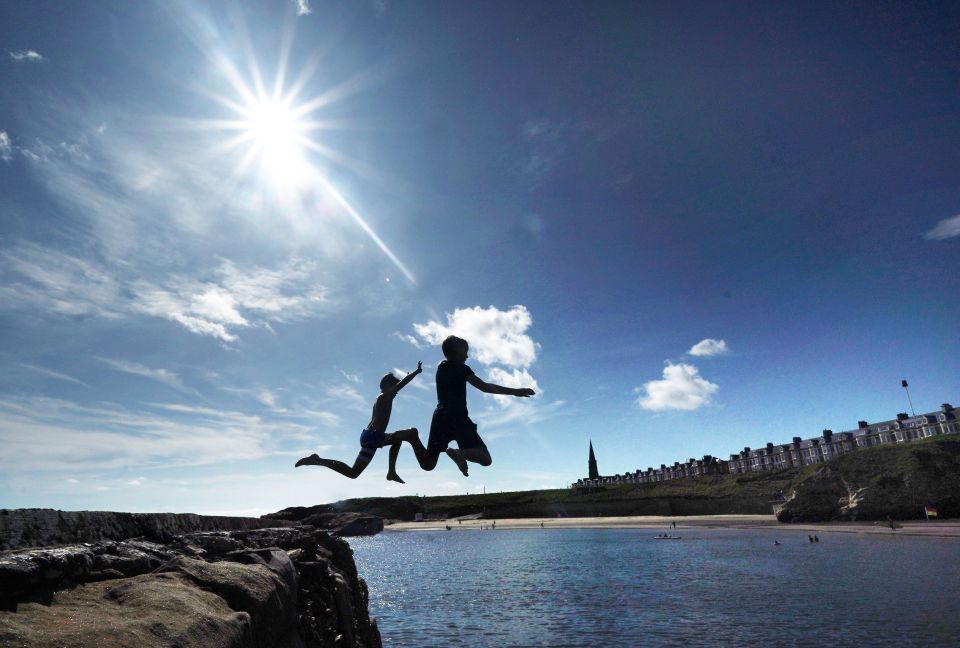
(690,227)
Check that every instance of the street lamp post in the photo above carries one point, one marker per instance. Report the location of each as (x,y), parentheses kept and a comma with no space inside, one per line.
(906,388)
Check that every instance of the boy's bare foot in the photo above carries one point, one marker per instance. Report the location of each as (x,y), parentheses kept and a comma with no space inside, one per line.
(458,459)
(392,476)
(312,460)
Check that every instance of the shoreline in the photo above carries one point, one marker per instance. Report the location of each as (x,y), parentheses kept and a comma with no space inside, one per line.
(921,528)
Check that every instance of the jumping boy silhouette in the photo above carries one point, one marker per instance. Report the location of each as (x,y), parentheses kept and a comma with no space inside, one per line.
(450,419)
(374,436)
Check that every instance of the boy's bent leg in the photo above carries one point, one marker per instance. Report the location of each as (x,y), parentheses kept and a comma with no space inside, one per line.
(395,440)
(392,468)
(477,455)
(472,447)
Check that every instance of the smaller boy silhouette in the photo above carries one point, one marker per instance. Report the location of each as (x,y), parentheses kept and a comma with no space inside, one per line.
(374,436)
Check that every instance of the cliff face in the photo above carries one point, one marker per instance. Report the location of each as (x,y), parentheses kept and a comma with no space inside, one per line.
(874,483)
(284,587)
(47,527)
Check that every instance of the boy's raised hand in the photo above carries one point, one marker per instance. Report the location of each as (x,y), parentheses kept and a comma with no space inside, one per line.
(525,392)
(419,368)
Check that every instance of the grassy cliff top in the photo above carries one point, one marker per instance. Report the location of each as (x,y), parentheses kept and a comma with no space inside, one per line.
(749,493)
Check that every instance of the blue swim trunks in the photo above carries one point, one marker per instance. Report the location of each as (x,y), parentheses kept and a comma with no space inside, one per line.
(371,441)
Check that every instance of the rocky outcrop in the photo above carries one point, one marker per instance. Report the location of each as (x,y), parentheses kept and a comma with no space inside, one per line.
(324,516)
(48,527)
(289,587)
(879,483)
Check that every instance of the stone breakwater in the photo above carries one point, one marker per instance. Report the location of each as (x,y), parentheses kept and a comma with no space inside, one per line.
(284,587)
(47,527)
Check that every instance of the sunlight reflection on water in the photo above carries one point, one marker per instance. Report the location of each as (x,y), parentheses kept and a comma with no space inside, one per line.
(620,587)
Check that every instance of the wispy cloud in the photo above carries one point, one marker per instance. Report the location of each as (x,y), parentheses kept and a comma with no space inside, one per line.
(303,7)
(50,373)
(543,149)
(709,347)
(682,388)
(160,375)
(28,56)
(51,280)
(947,228)
(221,306)
(347,395)
(6,147)
(45,434)
(405,337)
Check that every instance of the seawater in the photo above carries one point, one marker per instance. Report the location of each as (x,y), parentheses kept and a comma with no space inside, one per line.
(621,587)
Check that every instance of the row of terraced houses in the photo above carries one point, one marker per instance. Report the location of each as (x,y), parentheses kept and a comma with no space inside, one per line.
(799,452)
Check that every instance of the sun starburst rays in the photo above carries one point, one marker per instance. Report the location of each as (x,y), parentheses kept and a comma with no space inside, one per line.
(273,134)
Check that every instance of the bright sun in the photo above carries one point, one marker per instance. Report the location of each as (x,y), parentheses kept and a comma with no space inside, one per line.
(276,130)
(277,136)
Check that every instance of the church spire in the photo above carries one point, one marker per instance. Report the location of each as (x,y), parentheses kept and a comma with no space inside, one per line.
(594,473)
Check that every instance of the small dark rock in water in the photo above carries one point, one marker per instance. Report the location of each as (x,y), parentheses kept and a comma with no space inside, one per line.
(295,587)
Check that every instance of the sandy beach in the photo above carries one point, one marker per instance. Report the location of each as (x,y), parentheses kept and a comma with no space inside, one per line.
(944,529)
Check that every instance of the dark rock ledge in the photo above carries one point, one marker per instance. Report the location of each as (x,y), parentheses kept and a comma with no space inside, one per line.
(280,587)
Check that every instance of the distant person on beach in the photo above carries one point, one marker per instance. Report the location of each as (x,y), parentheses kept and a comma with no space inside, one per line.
(374,435)
(451,421)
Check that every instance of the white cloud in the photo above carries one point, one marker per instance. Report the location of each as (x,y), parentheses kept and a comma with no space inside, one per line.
(136,482)
(160,375)
(354,378)
(407,338)
(303,7)
(50,373)
(682,388)
(38,277)
(347,395)
(947,228)
(45,434)
(709,347)
(213,307)
(522,411)
(543,149)
(511,378)
(495,336)
(50,280)
(29,56)
(6,147)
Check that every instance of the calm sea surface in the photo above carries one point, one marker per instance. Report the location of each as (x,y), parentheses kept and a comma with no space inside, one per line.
(620,587)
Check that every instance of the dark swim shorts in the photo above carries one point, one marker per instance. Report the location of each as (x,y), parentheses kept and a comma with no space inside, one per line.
(446,427)
(371,441)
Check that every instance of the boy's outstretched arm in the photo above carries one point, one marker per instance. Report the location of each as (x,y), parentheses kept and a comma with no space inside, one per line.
(406,379)
(490,388)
